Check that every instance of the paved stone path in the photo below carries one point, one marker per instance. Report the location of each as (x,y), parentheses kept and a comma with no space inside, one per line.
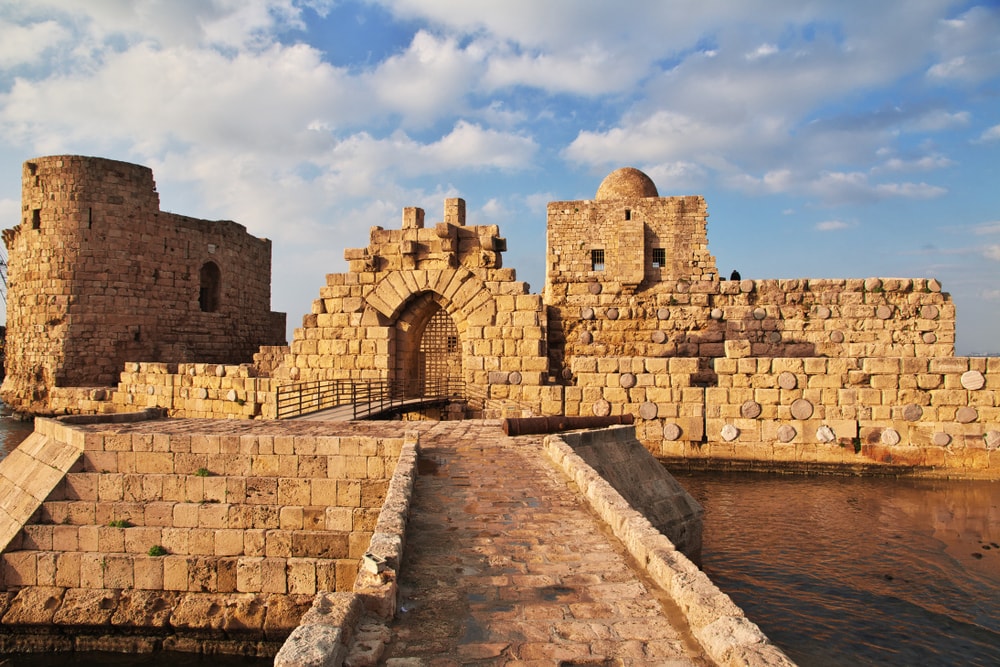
(504,566)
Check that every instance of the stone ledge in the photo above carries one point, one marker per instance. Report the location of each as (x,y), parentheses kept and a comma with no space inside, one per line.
(721,628)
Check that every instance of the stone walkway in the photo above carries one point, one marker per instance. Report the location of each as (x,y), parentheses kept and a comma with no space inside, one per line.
(505,566)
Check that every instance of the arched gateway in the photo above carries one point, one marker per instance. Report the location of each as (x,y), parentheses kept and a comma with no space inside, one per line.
(428,349)
(429,309)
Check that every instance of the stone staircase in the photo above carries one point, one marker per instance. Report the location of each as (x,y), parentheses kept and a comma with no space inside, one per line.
(181,546)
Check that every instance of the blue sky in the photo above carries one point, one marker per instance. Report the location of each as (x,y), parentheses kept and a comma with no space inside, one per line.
(830,139)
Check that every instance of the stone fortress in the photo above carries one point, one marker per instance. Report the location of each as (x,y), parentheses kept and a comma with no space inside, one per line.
(634,318)
(241,533)
(101,276)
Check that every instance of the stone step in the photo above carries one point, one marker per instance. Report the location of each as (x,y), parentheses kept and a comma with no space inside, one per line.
(361,465)
(140,487)
(211,515)
(275,543)
(176,572)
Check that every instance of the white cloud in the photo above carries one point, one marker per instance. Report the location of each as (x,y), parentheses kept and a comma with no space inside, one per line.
(25,45)
(925,163)
(762,51)
(429,79)
(968,47)
(991,294)
(991,134)
(987,228)
(833,225)
(992,252)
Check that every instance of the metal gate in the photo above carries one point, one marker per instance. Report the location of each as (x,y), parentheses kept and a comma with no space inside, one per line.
(440,355)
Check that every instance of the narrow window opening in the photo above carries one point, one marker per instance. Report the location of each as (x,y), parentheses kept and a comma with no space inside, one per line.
(628,214)
(211,287)
(90,218)
(597,259)
(36,218)
(659,258)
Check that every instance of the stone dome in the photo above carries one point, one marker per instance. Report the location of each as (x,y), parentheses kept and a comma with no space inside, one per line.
(626,183)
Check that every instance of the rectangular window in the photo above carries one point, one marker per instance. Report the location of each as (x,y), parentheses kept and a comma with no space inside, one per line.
(36,218)
(597,259)
(659,258)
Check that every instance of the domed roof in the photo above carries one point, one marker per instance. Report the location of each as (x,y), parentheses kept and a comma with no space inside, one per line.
(626,183)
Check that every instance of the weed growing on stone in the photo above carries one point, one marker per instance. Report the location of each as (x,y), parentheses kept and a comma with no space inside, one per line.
(157,550)
(120,523)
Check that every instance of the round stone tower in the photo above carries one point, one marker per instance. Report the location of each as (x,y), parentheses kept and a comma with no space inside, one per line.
(51,287)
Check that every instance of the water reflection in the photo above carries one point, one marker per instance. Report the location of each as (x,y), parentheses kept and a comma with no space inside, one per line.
(846,570)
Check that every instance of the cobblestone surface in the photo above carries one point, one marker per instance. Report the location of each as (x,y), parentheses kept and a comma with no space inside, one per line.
(505,566)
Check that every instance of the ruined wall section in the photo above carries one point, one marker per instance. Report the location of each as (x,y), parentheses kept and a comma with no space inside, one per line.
(99,276)
(366,323)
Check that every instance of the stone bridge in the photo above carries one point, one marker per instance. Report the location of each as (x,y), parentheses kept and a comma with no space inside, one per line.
(317,542)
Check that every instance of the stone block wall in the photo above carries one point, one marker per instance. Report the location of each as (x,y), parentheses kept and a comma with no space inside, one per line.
(627,230)
(243,512)
(369,323)
(98,276)
(929,414)
(873,317)
(215,391)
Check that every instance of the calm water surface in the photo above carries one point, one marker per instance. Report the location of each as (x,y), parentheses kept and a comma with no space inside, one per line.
(858,571)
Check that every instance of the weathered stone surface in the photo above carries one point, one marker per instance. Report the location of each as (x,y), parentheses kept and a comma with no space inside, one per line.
(750,410)
(786,433)
(941,439)
(627,380)
(87,606)
(973,380)
(802,409)
(912,412)
(144,609)
(648,410)
(825,434)
(890,436)
(729,433)
(602,408)
(35,605)
(787,380)
(671,431)
(966,415)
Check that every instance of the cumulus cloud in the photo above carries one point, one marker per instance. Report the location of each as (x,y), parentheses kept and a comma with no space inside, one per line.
(25,44)
(992,251)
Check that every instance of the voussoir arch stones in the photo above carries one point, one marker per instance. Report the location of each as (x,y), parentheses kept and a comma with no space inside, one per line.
(461,289)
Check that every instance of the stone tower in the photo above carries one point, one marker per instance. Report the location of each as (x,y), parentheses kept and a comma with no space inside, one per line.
(98,275)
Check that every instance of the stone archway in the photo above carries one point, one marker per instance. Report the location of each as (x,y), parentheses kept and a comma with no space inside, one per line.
(428,347)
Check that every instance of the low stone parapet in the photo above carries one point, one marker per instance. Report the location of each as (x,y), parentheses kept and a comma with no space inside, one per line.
(722,629)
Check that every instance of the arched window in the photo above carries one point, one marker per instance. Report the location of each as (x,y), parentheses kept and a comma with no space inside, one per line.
(211,287)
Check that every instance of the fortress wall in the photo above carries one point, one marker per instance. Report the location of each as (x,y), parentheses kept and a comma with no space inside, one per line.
(875,317)
(214,391)
(99,275)
(931,413)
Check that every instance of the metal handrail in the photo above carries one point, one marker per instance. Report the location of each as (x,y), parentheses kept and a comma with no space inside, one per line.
(367,397)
